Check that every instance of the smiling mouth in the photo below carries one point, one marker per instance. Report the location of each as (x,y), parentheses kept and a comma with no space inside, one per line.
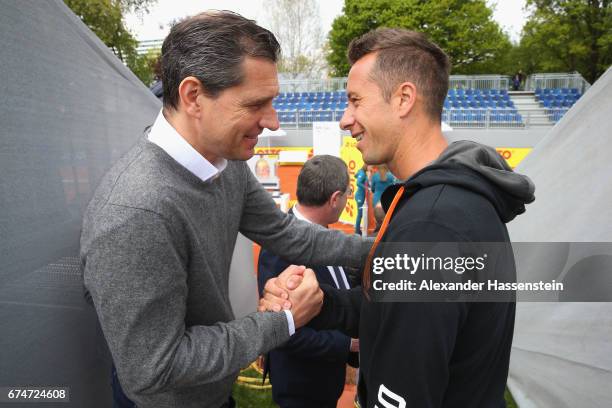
(358,137)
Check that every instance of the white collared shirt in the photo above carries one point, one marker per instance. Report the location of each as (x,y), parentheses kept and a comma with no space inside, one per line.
(165,136)
(331,269)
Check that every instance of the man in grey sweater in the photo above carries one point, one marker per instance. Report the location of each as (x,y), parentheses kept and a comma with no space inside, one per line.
(159,233)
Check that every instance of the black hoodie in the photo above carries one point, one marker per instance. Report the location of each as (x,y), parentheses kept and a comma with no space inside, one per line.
(452,354)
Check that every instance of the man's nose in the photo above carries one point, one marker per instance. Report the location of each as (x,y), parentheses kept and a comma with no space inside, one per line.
(270,120)
(347,120)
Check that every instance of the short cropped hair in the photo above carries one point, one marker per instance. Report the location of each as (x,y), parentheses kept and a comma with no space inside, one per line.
(403,55)
(211,47)
(321,177)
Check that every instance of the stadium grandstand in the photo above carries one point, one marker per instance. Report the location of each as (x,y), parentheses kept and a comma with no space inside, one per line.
(479,101)
(473,101)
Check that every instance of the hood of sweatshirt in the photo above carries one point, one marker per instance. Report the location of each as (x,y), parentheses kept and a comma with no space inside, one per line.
(477,168)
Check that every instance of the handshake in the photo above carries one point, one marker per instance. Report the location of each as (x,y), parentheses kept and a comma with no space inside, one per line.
(295,289)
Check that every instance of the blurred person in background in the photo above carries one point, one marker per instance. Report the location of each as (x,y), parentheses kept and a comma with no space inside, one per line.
(309,370)
(379,183)
(362,181)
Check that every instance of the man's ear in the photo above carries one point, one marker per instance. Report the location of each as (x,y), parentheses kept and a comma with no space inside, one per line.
(406,95)
(190,92)
(334,198)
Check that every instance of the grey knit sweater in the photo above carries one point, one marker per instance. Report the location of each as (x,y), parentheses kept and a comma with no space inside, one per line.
(156,248)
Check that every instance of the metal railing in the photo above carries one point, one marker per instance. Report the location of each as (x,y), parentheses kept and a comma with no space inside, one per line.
(555,114)
(312,85)
(303,118)
(459,118)
(479,81)
(560,80)
(483,118)
(339,84)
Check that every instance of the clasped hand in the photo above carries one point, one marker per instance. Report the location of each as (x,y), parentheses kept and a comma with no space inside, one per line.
(295,289)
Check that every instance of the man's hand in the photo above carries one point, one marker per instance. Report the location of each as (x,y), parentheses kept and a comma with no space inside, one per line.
(306,300)
(276,292)
(297,289)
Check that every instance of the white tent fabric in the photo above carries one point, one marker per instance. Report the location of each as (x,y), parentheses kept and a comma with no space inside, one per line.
(68,109)
(562,352)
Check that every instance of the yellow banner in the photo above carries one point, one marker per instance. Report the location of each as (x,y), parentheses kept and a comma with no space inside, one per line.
(513,155)
(352,157)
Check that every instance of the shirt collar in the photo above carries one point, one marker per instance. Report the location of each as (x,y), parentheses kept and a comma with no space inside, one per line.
(165,136)
(299,215)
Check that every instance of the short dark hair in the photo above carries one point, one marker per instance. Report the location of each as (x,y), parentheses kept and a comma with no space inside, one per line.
(211,47)
(403,55)
(321,177)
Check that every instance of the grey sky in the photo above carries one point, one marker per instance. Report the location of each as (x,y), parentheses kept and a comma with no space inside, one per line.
(153,26)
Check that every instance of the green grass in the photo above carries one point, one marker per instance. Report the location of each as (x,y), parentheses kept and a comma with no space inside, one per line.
(509,400)
(247,397)
(250,398)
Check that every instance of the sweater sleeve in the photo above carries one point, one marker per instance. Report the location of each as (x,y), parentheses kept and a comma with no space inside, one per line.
(295,240)
(135,273)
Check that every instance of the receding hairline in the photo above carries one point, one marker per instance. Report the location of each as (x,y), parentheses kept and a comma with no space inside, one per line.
(368,75)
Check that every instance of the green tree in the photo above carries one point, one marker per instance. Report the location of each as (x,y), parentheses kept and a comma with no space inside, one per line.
(143,66)
(105,19)
(465,29)
(297,26)
(568,35)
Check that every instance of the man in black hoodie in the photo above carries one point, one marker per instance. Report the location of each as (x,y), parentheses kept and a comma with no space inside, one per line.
(423,354)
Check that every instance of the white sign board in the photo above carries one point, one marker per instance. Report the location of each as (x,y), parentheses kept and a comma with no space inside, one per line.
(292,156)
(326,138)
